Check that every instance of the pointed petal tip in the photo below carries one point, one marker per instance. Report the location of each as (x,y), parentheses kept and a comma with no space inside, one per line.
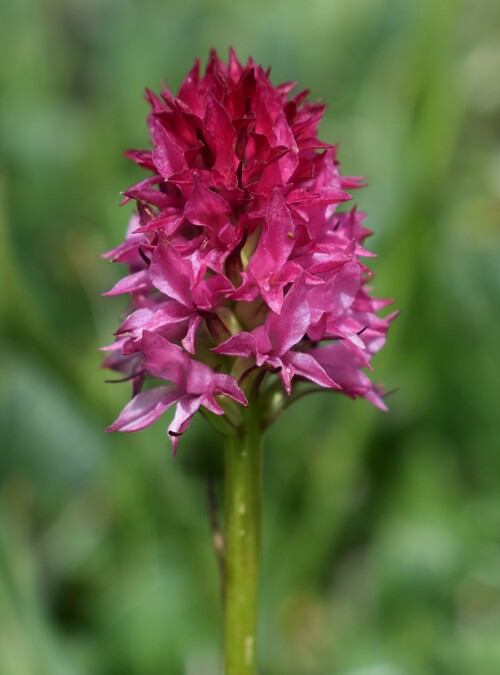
(174,439)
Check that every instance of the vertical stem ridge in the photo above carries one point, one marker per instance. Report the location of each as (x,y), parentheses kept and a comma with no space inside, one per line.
(243,514)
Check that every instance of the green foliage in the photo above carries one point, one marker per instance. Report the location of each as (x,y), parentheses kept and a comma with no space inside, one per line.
(381,538)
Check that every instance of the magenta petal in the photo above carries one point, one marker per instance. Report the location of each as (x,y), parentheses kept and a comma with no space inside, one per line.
(351,341)
(343,366)
(189,88)
(139,282)
(278,233)
(283,136)
(268,269)
(376,399)
(286,329)
(184,413)
(208,292)
(209,402)
(305,365)
(206,208)
(145,408)
(248,290)
(243,344)
(271,289)
(188,340)
(337,294)
(165,360)
(168,157)
(227,386)
(201,378)
(171,273)
(164,316)
(222,135)
(122,252)
(273,297)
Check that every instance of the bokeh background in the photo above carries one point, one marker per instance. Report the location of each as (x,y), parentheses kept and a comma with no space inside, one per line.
(382,532)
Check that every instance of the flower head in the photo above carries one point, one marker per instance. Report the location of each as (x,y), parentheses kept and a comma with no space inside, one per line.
(242,273)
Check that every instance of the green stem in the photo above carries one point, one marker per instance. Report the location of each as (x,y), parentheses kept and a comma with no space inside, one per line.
(243,512)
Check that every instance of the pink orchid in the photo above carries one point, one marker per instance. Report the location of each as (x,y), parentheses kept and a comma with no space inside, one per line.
(272,344)
(269,270)
(238,259)
(194,385)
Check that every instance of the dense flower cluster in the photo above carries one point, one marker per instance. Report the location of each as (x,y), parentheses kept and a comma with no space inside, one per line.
(241,270)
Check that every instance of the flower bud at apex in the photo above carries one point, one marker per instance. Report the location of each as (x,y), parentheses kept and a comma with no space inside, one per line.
(244,277)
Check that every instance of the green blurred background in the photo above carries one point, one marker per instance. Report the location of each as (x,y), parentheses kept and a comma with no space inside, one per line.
(382,532)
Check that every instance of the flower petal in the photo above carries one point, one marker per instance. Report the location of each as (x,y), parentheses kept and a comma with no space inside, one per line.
(305,365)
(184,413)
(286,329)
(165,360)
(145,408)
(139,282)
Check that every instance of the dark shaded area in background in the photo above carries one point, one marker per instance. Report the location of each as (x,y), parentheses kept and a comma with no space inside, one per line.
(382,532)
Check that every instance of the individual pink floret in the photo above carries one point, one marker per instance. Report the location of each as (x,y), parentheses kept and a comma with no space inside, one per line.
(193,385)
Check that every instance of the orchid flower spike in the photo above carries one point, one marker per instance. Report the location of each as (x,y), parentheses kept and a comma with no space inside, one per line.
(243,276)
